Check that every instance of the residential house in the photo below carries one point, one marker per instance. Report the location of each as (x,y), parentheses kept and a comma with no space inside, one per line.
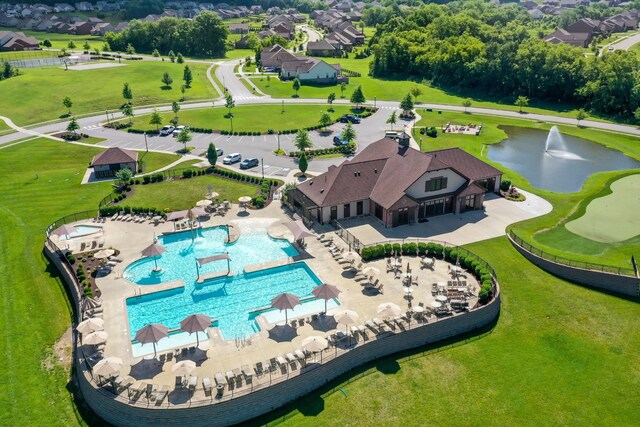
(273,57)
(63,7)
(321,48)
(310,71)
(535,13)
(239,28)
(84,6)
(107,163)
(15,41)
(574,39)
(102,28)
(81,28)
(398,185)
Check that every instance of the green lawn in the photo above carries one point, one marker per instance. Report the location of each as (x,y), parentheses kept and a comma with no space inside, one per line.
(560,354)
(155,161)
(59,41)
(547,232)
(183,194)
(92,140)
(96,90)
(35,311)
(394,90)
(249,118)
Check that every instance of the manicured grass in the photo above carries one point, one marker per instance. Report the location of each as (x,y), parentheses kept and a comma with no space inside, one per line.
(96,90)
(560,354)
(389,89)
(547,232)
(183,194)
(59,41)
(35,311)
(249,118)
(239,54)
(92,140)
(612,218)
(4,127)
(154,161)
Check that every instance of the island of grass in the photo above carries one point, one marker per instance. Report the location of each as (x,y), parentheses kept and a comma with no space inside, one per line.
(96,90)
(248,118)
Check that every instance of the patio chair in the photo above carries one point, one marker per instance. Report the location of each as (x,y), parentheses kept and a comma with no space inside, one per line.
(290,357)
(219,378)
(193,382)
(161,393)
(300,355)
(258,369)
(281,361)
(248,375)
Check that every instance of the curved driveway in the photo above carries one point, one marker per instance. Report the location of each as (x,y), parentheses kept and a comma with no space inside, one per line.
(262,146)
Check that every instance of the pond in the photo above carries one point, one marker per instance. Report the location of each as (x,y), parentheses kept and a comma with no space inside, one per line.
(555,162)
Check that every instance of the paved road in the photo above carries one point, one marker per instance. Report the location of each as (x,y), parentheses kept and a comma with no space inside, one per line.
(626,43)
(312,35)
(229,80)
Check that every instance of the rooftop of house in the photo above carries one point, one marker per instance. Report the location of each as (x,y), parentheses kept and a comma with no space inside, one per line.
(113,156)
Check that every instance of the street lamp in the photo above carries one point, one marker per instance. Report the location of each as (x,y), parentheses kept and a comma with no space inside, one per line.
(107,113)
(262,164)
(231,118)
(374,101)
(282,106)
(278,142)
(145,142)
(420,143)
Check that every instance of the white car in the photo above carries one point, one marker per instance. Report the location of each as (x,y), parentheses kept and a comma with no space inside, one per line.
(166,130)
(177,130)
(232,158)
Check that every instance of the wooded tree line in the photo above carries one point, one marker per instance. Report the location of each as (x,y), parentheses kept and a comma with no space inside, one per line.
(205,35)
(494,52)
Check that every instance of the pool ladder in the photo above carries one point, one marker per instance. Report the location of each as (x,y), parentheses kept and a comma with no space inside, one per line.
(241,342)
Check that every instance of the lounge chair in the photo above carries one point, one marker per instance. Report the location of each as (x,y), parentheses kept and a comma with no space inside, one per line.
(246,371)
(123,383)
(219,378)
(230,376)
(363,332)
(372,326)
(281,361)
(206,385)
(299,354)
(259,370)
(290,357)
(115,217)
(161,393)
(193,382)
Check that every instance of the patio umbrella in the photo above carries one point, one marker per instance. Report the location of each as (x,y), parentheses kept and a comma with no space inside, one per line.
(184,367)
(94,338)
(212,195)
(203,203)
(108,367)
(244,199)
(152,333)
(350,256)
(90,325)
(436,304)
(195,323)
(371,271)
(104,253)
(298,229)
(64,230)
(154,251)
(346,317)
(325,292)
(389,309)
(314,343)
(285,302)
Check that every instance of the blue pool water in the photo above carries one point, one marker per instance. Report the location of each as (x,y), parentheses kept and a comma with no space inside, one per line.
(179,260)
(231,301)
(84,230)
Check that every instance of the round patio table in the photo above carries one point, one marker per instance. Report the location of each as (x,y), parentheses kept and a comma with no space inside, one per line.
(436,304)
(418,309)
(441,298)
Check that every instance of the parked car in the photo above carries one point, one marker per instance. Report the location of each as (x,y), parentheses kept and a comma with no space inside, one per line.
(232,158)
(220,151)
(350,118)
(391,134)
(338,141)
(166,130)
(249,163)
(178,129)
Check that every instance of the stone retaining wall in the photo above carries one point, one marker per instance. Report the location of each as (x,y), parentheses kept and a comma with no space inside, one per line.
(262,401)
(626,285)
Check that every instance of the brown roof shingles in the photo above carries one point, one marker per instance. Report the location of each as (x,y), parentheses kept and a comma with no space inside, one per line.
(113,156)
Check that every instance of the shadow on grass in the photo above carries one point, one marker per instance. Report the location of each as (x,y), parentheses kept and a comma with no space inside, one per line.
(313,403)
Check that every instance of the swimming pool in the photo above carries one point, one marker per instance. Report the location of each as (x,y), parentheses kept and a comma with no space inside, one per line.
(83,230)
(254,246)
(233,302)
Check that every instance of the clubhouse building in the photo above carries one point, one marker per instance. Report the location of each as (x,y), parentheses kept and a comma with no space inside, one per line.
(397,185)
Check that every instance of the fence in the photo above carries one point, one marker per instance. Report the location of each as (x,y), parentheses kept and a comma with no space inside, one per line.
(349,239)
(71,218)
(350,73)
(571,262)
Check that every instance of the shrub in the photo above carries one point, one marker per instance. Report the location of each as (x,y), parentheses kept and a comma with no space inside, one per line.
(258,202)
(422,248)
(146,179)
(505,185)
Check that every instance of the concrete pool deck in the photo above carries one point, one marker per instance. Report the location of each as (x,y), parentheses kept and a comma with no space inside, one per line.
(219,355)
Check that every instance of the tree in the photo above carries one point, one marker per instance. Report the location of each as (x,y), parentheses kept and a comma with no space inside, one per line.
(172,56)
(303,164)
(406,105)
(357,97)
(184,137)
(581,115)
(96,51)
(466,103)
(636,114)
(180,58)
(268,80)
(106,47)
(71,44)
(127,110)
(183,89)
(302,141)
(229,103)
(211,34)
(521,102)
(212,154)
(325,120)
(73,126)
(127,94)
(187,76)
(330,99)
(86,46)
(343,87)
(66,101)
(348,133)
(167,80)
(155,53)
(415,91)
(123,176)
(46,43)
(130,49)
(392,120)
(175,107)
(155,119)
(296,85)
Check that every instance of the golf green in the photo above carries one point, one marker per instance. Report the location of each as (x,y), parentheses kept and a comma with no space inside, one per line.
(614,217)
